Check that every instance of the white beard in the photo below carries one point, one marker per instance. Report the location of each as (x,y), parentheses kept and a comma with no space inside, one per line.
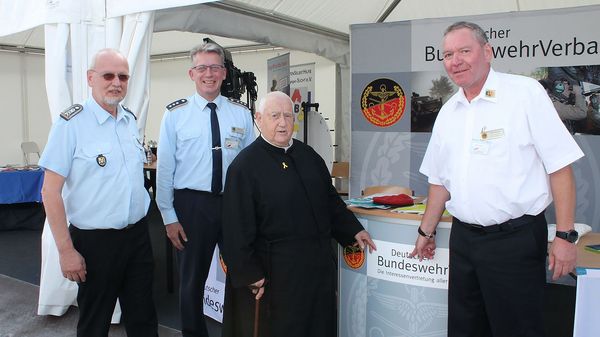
(112,101)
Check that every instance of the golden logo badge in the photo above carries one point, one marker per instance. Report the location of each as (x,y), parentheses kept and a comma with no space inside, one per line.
(383,102)
(354,256)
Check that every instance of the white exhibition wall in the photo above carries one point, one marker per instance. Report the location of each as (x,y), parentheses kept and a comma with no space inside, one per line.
(26,114)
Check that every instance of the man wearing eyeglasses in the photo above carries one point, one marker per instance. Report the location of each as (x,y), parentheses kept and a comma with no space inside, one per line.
(199,137)
(93,181)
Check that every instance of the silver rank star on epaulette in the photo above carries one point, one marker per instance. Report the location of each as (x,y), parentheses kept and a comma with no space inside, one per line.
(71,111)
(177,103)
(237,101)
(128,110)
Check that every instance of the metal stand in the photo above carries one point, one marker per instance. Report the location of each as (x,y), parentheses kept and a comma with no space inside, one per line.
(306,106)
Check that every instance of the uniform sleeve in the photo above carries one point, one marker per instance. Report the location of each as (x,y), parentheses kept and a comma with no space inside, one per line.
(240,228)
(344,225)
(165,169)
(249,136)
(553,142)
(60,149)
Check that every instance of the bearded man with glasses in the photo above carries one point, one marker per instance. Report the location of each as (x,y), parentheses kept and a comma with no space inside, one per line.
(199,137)
(96,204)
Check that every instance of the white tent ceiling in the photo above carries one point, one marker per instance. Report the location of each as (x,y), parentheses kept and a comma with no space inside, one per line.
(331,16)
(314,26)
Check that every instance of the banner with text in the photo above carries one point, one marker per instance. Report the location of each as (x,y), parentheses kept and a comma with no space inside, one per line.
(214,288)
(278,73)
(302,84)
(391,263)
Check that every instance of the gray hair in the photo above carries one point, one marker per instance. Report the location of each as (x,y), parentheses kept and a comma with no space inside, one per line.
(105,51)
(208,47)
(262,104)
(477,31)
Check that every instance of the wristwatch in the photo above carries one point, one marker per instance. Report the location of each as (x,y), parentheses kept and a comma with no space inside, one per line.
(570,236)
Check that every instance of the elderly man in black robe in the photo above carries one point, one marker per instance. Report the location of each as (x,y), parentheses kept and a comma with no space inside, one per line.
(280,214)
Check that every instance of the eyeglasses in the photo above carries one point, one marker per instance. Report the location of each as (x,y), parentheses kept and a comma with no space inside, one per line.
(111,76)
(213,67)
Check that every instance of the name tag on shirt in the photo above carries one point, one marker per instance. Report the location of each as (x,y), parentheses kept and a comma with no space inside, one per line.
(232,143)
(480,147)
(492,134)
(239,131)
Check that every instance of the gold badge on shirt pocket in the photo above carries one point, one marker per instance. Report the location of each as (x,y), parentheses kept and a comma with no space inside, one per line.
(101,160)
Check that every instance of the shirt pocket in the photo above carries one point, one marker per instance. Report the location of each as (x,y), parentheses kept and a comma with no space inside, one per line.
(186,135)
(138,150)
(99,157)
(193,144)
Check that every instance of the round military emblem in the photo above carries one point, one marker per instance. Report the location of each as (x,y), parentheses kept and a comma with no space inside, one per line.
(383,102)
(354,256)
(101,160)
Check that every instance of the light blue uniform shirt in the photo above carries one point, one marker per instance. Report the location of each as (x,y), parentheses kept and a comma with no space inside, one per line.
(184,149)
(99,197)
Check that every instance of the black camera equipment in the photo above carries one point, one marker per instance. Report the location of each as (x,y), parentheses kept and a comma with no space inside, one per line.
(237,82)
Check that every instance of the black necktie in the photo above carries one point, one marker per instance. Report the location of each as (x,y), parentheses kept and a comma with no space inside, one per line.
(217,155)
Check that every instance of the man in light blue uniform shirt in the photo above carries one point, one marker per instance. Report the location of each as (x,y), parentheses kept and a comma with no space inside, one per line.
(94,182)
(195,135)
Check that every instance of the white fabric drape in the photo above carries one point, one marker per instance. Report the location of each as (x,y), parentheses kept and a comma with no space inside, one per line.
(115,8)
(69,51)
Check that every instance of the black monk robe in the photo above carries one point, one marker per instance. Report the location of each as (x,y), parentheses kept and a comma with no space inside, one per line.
(280,212)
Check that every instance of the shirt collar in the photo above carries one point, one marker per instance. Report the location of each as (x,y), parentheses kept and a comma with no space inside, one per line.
(285,148)
(102,115)
(489,91)
(202,102)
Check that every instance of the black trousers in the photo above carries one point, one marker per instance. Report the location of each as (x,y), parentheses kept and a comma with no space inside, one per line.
(199,214)
(119,265)
(496,279)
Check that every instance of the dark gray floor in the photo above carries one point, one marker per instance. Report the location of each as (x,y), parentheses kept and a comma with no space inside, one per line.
(21,258)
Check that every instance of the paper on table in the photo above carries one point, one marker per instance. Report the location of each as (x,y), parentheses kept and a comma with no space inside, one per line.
(415,209)
(366,202)
(586,304)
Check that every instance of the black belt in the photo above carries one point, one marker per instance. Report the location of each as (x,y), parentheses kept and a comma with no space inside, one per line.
(208,193)
(129,226)
(506,226)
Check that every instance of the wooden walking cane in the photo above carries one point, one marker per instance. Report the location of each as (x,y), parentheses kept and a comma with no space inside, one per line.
(256,317)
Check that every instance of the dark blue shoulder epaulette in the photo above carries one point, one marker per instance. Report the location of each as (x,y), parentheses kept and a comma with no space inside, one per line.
(173,105)
(128,110)
(71,111)
(237,102)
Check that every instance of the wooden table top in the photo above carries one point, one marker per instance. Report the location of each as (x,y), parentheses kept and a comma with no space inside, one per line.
(586,258)
(388,214)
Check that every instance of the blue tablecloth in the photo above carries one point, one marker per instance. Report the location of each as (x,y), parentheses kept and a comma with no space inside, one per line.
(21,186)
